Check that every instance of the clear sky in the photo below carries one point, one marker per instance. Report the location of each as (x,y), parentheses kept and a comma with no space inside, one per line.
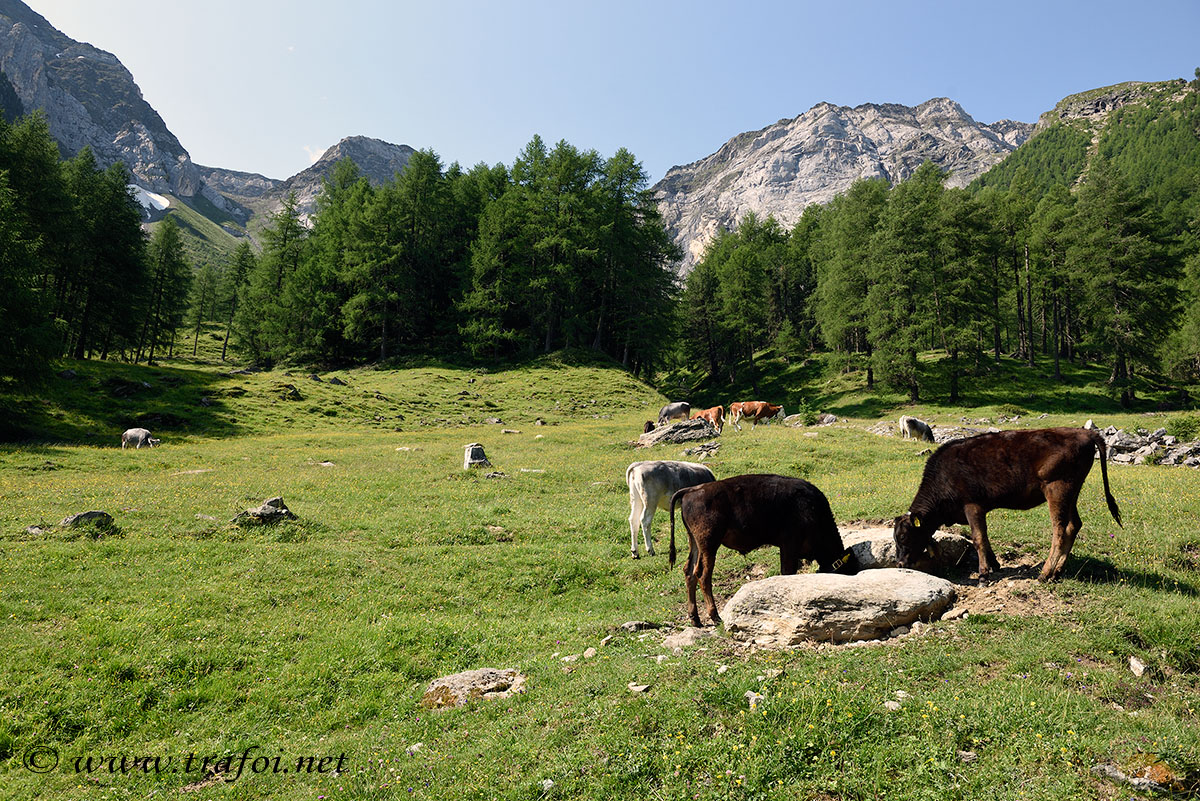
(266,85)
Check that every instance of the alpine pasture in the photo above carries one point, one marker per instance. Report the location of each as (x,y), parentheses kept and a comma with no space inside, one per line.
(175,633)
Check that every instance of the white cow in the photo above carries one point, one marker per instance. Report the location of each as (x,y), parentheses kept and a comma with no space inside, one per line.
(138,437)
(651,485)
(911,427)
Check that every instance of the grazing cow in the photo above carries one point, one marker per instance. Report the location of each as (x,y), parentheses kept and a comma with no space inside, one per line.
(754,411)
(966,479)
(715,415)
(680,410)
(646,429)
(748,512)
(912,428)
(651,485)
(138,437)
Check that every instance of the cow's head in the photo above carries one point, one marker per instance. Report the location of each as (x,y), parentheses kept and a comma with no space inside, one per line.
(847,564)
(646,429)
(914,539)
(153,441)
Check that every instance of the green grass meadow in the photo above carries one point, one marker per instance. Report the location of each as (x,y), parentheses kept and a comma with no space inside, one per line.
(176,633)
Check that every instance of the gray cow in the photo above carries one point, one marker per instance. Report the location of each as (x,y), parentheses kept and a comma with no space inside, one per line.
(680,410)
(651,485)
(911,427)
(138,437)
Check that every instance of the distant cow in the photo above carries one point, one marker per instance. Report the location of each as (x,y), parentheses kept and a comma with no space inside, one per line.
(912,428)
(966,479)
(646,429)
(680,410)
(715,415)
(754,411)
(138,437)
(651,485)
(748,512)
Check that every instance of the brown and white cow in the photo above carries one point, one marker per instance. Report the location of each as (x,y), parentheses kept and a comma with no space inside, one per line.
(748,512)
(715,415)
(754,411)
(967,478)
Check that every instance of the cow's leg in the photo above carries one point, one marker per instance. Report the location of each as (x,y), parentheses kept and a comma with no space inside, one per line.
(1065,524)
(789,561)
(705,563)
(977,519)
(691,573)
(647,521)
(635,516)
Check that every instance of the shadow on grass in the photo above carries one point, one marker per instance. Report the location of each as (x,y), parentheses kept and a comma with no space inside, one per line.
(1101,571)
(92,402)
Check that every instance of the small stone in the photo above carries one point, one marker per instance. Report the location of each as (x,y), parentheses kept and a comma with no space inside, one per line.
(722,669)
(414,748)
(637,688)
(903,696)
(753,699)
(571,658)
(606,640)
(95,517)
(967,756)
(473,456)
(661,658)
(509,431)
(892,706)
(590,653)
(1137,666)
(547,785)
(34,531)
(209,518)
(899,631)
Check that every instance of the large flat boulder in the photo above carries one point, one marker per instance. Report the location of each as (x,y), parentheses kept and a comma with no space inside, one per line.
(875,547)
(683,431)
(473,685)
(825,607)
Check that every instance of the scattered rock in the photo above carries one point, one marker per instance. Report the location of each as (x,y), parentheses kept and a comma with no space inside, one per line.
(94,517)
(892,706)
(474,456)
(787,610)
(1113,773)
(495,474)
(272,511)
(34,531)
(686,638)
(472,685)
(493,421)
(606,640)
(589,653)
(876,547)
(209,518)
(509,431)
(703,451)
(539,422)
(547,785)
(678,433)
(1137,667)
(314,377)
(753,699)
(634,687)
(722,669)
(638,625)
(337,381)
(967,756)
(899,631)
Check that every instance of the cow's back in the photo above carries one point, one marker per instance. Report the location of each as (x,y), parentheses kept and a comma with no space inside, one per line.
(1006,468)
(760,509)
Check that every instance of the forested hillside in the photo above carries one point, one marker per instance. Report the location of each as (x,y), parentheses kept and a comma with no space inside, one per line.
(1082,247)
(1071,249)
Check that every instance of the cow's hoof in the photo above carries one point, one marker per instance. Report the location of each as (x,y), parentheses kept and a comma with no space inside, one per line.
(633,554)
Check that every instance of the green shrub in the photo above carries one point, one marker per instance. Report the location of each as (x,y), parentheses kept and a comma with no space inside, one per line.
(1185,427)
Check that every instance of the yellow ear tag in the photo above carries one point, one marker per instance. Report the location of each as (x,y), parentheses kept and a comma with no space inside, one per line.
(916,521)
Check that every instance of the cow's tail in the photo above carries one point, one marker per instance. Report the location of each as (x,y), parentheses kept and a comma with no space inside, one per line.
(676,498)
(1102,447)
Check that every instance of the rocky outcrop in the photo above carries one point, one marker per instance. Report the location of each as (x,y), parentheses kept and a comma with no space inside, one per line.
(1149,447)
(1093,108)
(824,607)
(692,430)
(809,159)
(90,99)
(472,685)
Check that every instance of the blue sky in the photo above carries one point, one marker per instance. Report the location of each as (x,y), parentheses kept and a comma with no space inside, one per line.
(266,85)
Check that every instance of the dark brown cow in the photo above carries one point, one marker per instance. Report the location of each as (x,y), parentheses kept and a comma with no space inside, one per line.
(748,512)
(646,429)
(966,479)
(754,411)
(715,415)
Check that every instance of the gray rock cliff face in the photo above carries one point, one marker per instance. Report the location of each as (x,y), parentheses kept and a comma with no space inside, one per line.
(379,161)
(89,98)
(784,167)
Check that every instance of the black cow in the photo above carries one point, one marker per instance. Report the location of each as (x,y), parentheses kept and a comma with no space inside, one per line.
(966,479)
(748,512)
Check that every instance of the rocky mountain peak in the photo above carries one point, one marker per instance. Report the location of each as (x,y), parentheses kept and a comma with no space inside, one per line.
(782,168)
(89,98)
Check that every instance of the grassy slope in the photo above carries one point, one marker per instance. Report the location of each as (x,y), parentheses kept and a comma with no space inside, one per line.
(182,634)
